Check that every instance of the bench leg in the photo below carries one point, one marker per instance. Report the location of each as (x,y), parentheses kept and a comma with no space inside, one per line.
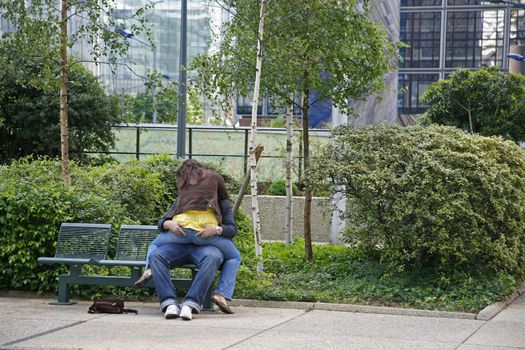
(63,287)
(63,292)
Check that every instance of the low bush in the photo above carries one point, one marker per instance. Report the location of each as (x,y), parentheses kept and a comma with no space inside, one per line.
(34,202)
(430,198)
(278,188)
(338,274)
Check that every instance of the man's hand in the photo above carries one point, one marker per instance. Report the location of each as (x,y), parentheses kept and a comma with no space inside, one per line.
(208,231)
(174,227)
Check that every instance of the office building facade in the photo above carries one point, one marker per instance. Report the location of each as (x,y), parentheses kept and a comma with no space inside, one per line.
(443,35)
(162,54)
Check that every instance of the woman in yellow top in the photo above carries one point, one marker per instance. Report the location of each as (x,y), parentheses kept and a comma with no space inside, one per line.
(201,215)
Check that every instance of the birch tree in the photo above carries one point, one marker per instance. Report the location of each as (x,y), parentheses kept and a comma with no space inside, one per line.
(253,138)
(288,167)
(42,29)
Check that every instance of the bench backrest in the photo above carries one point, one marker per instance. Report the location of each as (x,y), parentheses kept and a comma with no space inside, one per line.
(134,240)
(86,241)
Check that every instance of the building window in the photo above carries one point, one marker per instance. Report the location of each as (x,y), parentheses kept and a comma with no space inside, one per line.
(421,31)
(244,105)
(517,27)
(411,88)
(274,108)
(465,2)
(410,3)
(474,39)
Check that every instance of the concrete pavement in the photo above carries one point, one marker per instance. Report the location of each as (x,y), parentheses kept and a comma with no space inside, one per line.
(30,323)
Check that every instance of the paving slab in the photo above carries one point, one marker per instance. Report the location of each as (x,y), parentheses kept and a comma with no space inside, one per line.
(12,330)
(485,347)
(106,334)
(510,334)
(31,323)
(381,326)
(505,330)
(303,340)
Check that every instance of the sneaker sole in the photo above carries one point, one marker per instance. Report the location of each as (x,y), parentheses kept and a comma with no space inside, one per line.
(171,316)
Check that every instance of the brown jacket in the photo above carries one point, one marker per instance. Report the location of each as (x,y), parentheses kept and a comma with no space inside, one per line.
(206,194)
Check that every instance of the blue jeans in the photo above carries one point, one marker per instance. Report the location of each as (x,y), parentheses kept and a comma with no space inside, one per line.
(163,259)
(232,257)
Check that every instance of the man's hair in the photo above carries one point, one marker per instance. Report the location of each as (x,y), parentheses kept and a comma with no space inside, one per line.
(191,172)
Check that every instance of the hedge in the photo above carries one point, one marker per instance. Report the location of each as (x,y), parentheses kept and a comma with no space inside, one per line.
(432,197)
(34,202)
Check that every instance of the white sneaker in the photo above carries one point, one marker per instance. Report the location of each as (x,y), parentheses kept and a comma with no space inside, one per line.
(185,313)
(173,311)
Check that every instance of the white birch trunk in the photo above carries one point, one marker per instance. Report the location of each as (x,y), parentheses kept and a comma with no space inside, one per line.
(64,77)
(253,138)
(289,184)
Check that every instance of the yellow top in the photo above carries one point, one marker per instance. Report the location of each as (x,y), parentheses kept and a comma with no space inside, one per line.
(196,219)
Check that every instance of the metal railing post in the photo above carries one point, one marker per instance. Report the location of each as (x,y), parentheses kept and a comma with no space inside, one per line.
(137,145)
(190,139)
(246,151)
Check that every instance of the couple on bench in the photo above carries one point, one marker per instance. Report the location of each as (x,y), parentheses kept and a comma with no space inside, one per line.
(197,229)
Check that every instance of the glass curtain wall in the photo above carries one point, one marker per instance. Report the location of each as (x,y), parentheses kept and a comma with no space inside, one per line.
(443,35)
(164,20)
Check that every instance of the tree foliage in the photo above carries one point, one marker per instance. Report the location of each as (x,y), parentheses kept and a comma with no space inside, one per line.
(45,24)
(31,113)
(317,45)
(98,27)
(486,101)
(434,197)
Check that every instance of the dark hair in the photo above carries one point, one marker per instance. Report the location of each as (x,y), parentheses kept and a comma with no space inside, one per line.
(190,172)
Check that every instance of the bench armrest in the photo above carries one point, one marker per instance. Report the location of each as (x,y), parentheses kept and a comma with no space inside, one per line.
(44,260)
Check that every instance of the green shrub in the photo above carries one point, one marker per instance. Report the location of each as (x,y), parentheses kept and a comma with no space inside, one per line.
(166,167)
(33,204)
(337,274)
(278,122)
(431,197)
(278,188)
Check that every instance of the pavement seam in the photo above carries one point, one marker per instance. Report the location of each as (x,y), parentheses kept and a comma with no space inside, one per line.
(265,330)
(49,331)
(470,336)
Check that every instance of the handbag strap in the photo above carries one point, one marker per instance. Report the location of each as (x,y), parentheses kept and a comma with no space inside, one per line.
(130,311)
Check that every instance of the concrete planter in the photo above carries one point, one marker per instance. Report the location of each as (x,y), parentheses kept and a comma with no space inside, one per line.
(272,210)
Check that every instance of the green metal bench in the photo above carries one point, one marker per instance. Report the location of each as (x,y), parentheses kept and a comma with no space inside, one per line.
(87,244)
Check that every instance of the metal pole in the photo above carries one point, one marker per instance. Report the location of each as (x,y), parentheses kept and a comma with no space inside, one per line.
(137,144)
(245,151)
(154,90)
(190,134)
(181,115)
